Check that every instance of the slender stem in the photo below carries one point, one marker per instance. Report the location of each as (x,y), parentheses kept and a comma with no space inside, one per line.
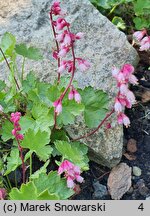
(22,159)
(9,67)
(94,131)
(30,164)
(57,45)
(9,182)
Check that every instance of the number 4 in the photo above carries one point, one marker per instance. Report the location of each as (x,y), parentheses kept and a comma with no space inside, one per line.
(141,207)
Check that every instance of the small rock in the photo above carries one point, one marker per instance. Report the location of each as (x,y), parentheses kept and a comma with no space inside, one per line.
(132,145)
(143,191)
(148,198)
(119,181)
(137,171)
(100,190)
(146,96)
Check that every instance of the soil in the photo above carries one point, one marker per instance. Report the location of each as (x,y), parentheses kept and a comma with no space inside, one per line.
(139,131)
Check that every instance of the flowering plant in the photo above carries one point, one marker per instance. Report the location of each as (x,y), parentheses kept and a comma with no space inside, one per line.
(34,113)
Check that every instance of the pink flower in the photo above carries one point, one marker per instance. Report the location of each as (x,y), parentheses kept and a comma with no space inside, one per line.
(138,35)
(72,173)
(62,67)
(15,118)
(123,119)
(127,69)
(77,96)
(58,106)
(74,94)
(145,43)
(60,23)
(79,35)
(118,106)
(133,80)
(83,64)
(125,98)
(63,51)
(55,54)
(2,193)
(123,89)
(71,95)
(130,97)
(56,9)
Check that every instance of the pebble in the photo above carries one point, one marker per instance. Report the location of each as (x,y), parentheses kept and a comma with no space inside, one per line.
(143,191)
(100,190)
(132,145)
(137,171)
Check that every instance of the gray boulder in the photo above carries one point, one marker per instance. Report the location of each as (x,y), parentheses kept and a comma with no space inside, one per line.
(104,46)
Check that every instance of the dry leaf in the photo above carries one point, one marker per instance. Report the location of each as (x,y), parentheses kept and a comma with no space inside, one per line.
(119,181)
(131,145)
(129,156)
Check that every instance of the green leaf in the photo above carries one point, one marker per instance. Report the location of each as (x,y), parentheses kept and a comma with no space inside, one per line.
(7,128)
(41,170)
(44,122)
(27,192)
(7,45)
(44,181)
(38,110)
(96,103)
(2,85)
(13,161)
(118,21)
(140,5)
(59,135)
(74,152)
(30,53)
(37,142)
(29,83)
(26,123)
(61,189)
(53,184)
(141,23)
(69,111)
(48,196)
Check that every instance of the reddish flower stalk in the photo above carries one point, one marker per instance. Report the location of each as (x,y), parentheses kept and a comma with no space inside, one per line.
(57,45)
(94,131)
(15,117)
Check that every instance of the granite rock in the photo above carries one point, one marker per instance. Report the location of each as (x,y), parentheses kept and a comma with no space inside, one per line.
(104,46)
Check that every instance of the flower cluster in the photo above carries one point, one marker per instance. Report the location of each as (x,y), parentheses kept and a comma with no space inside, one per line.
(15,118)
(125,97)
(72,173)
(65,40)
(143,39)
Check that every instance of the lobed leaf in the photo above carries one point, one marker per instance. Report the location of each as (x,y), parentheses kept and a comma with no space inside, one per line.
(96,103)
(74,152)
